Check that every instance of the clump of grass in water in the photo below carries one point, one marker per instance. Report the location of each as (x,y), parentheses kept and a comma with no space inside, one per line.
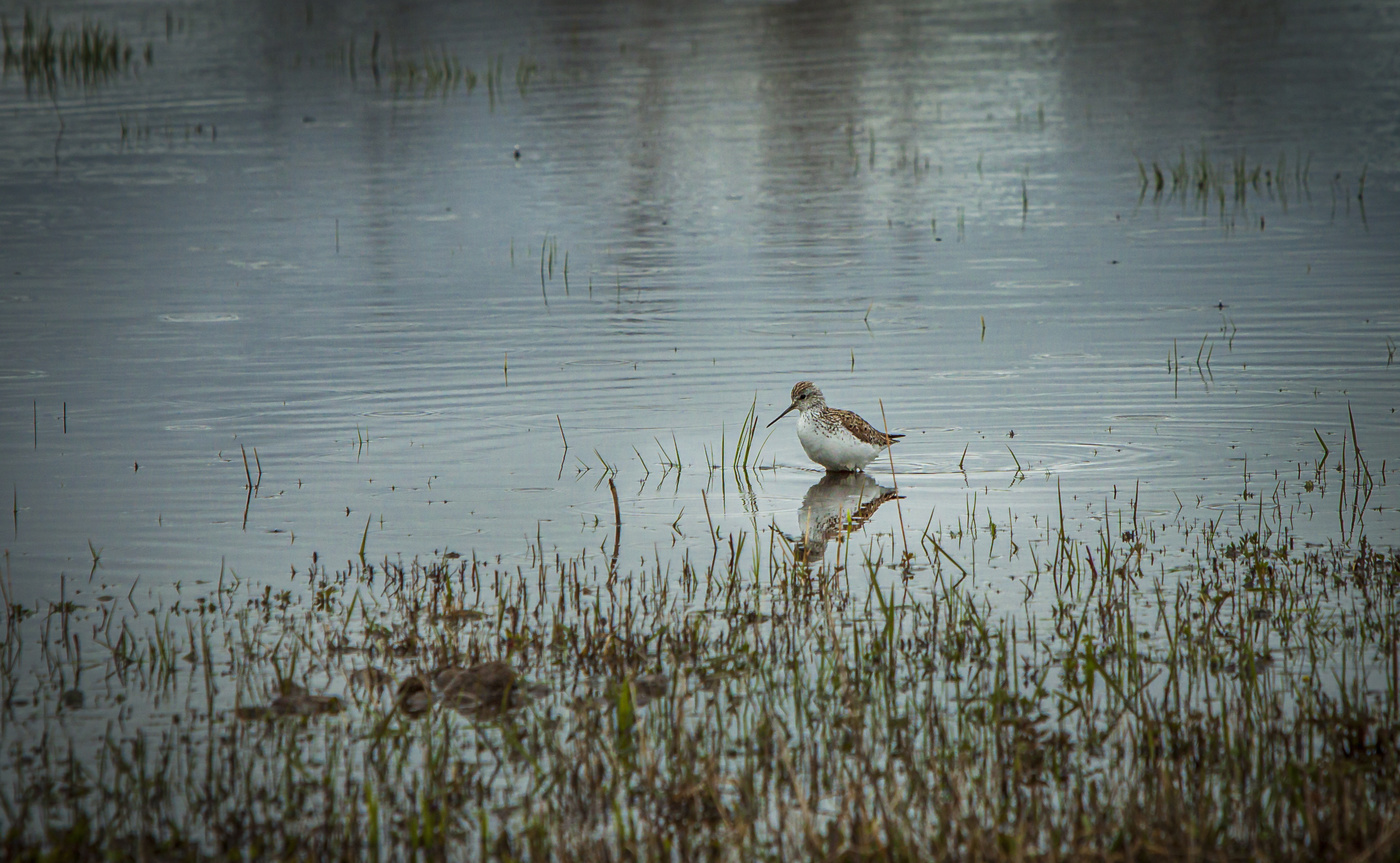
(438,73)
(1231,700)
(745,456)
(1199,179)
(88,54)
(494,70)
(525,70)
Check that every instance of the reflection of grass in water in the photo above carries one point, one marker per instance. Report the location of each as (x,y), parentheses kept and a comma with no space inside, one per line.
(88,54)
(1205,688)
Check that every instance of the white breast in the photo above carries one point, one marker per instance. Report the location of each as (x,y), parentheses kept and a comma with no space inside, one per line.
(833,448)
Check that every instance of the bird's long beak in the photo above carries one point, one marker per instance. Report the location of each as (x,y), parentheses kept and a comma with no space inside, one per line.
(789,410)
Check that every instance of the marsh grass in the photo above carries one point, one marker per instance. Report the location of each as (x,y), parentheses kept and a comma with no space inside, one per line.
(525,71)
(432,72)
(1197,179)
(438,73)
(745,456)
(495,88)
(1167,688)
(88,54)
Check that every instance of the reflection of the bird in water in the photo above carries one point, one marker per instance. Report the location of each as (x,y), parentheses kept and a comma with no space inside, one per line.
(837,504)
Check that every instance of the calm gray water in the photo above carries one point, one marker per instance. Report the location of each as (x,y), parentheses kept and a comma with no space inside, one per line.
(252,242)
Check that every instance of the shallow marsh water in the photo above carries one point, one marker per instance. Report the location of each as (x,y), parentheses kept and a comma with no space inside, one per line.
(946,212)
(283,254)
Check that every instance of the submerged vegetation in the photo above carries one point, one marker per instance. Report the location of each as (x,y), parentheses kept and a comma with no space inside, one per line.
(1161,688)
(87,55)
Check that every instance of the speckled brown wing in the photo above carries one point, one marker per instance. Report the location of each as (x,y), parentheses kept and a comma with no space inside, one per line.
(864,431)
